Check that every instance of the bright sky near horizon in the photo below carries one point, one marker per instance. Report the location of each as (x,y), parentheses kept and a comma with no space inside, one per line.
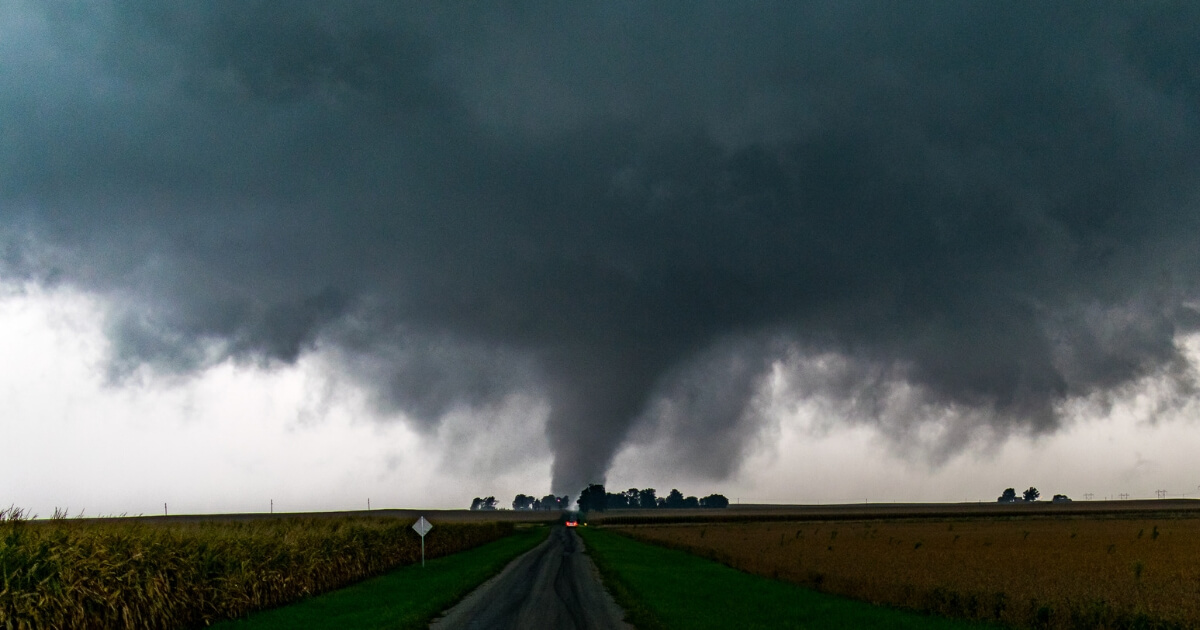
(234,438)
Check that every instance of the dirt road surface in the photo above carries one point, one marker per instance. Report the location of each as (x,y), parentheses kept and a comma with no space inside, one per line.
(552,586)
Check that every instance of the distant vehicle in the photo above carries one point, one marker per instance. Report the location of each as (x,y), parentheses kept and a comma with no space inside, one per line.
(572,523)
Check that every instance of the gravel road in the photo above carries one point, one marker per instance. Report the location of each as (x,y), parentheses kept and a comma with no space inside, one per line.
(554,585)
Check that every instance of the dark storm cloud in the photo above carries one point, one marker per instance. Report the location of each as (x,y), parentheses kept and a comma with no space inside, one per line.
(607,206)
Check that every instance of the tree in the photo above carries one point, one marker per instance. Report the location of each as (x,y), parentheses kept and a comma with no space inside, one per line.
(523,502)
(1031,494)
(593,498)
(714,501)
(1009,496)
(615,501)
(675,499)
(691,502)
(476,503)
(646,499)
(632,498)
(551,502)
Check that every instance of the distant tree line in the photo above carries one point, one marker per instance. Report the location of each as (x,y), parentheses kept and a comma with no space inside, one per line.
(524,502)
(1029,496)
(486,503)
(548,502)
(596,498)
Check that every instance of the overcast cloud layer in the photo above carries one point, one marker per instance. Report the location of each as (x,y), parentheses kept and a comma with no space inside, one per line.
(950,213)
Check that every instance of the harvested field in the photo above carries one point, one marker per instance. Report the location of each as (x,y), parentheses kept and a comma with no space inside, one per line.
(1055,572)
(1157,508)
(142,573)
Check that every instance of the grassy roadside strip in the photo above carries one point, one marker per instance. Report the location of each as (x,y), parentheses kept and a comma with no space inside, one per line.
(408,597)
(664,588)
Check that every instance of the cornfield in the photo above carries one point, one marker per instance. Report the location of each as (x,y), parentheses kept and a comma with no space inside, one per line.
(128,573)
(1042,573)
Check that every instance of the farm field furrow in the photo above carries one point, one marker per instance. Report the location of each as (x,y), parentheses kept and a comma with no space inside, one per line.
(1044,572)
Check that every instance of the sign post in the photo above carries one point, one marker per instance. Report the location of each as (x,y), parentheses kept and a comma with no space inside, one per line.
(422,527)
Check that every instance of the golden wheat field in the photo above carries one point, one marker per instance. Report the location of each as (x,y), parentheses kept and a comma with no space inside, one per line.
(134,573)
(1053,572)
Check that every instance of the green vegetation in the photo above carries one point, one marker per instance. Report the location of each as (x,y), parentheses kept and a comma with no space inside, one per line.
(405,598)
(150,574)
(664,588)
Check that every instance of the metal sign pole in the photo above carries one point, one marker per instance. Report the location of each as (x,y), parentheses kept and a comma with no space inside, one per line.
(422,527)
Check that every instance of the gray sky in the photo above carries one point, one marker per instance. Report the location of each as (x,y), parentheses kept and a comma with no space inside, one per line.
(318,251)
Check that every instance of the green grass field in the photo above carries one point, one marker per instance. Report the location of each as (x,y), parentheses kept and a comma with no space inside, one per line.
(408,597)
(663,588)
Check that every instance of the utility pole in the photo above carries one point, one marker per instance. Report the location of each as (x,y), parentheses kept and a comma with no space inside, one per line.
(368,504)
(272,506)
(165,510)
(1162,494)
